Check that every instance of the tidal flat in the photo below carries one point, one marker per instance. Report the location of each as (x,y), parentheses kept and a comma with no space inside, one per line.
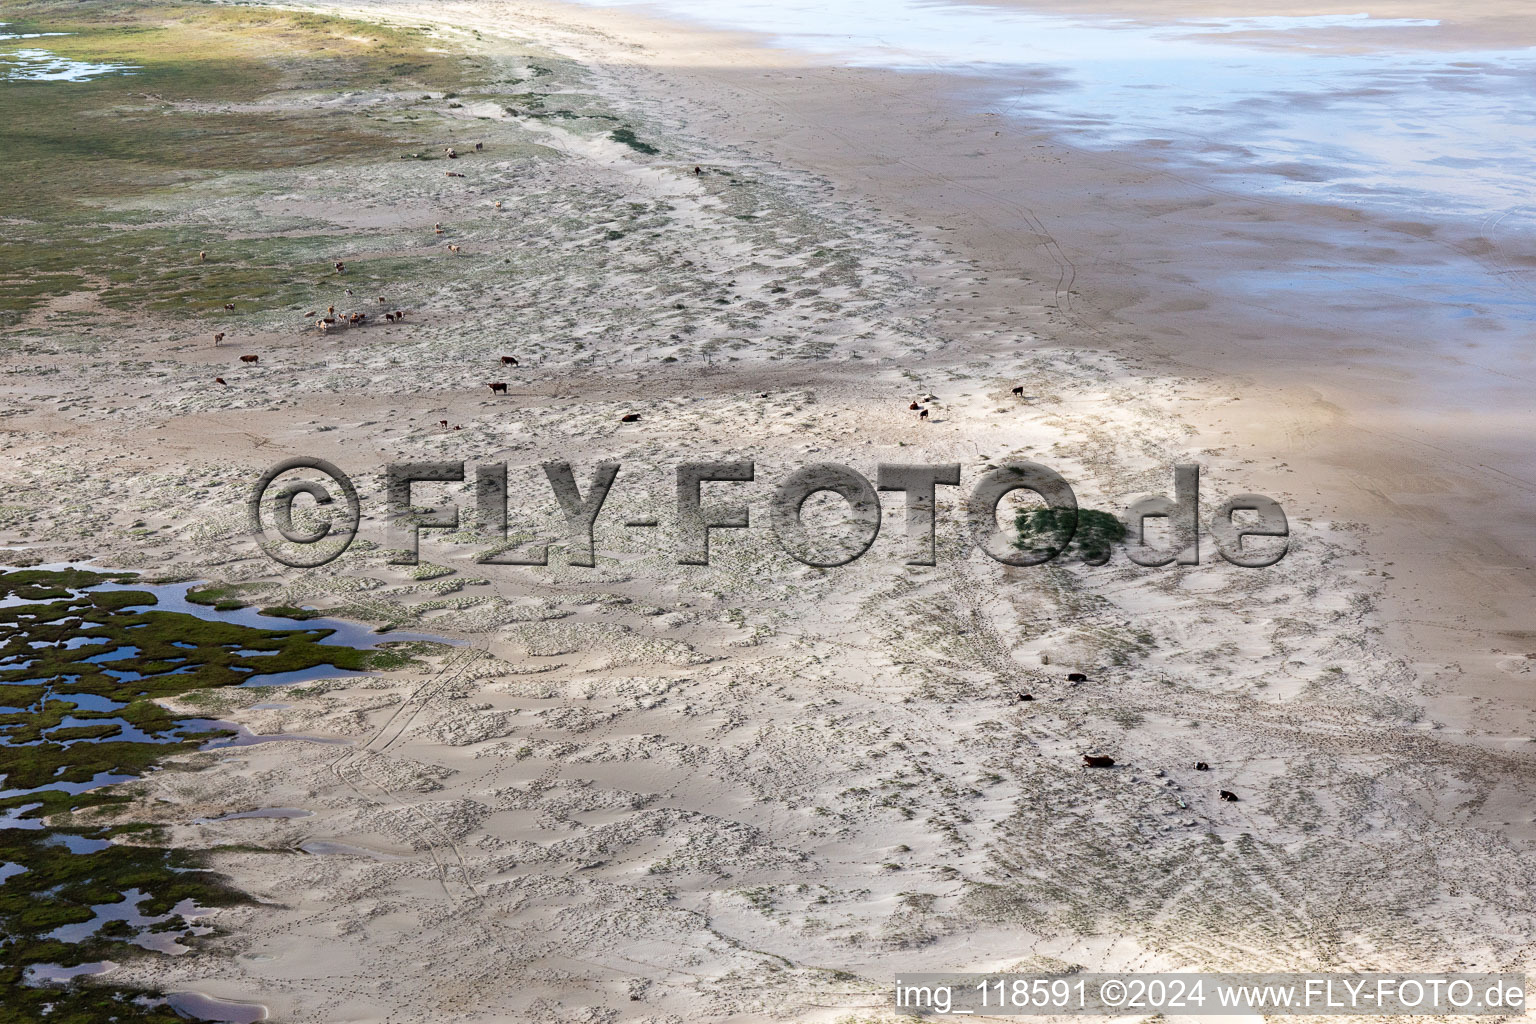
(641,790)
(81,669)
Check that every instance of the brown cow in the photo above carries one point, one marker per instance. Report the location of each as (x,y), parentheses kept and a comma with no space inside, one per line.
(220,380)
(399,314)
(381,300)
(922,414)
(218,338)
(443,424)
(630,417)
(498,204)
(498,388)
(250,359)
(508,360)
(1098,761)
(453,248)
(202,257)
(455,174)
(914,407)
(438,228)
(390,317)
(341,267)
(229,305)
(698,170)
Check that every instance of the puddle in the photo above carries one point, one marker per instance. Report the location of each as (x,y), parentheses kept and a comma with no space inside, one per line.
(225,1011)
(126,910)
(79,844)
(33,64)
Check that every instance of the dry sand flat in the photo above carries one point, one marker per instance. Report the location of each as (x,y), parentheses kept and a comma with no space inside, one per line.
(645,791)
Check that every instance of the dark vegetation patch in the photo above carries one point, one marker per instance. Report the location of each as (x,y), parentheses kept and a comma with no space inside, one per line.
(627,137)
(67,654)
(1093,533)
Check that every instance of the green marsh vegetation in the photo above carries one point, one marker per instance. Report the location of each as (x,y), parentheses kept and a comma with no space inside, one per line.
(79,669)
(98,170)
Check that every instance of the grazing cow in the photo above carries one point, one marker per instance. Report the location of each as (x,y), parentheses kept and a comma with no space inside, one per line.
(341,267)
(437,228)
(220,380)
(390,317)
(356,319)
(498,204)
(453,248)
(479,146)
(202,257)
(313,312)
(498,388)
(229,305)
(1025,696)
(381,300)
(324,324)
(1098,761)
(250,359)
(1019,390)
(443,424)
(399,314)
(329,321)
(1229,796)
(330,310)
(922,414)
(697,170)
(914,407)
(508,360)
(1201,766)
(218,338)
(1076,677)
(630,417)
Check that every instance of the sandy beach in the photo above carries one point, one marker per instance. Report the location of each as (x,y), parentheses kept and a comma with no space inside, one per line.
(756,790)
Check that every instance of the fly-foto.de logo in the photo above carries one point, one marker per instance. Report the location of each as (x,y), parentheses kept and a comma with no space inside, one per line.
(1248,530)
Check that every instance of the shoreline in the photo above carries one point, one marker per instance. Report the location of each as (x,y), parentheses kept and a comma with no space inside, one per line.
(1424,489)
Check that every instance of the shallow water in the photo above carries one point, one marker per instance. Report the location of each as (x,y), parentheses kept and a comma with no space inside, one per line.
(1390,124)
(45,844)
(201,1007)
(32,64)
